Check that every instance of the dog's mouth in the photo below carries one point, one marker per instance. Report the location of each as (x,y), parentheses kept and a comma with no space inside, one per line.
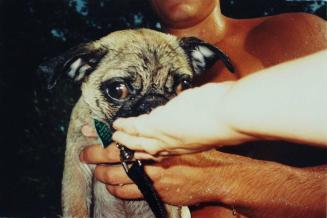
(138,107)
(131,109)
(142,106)
(135,168)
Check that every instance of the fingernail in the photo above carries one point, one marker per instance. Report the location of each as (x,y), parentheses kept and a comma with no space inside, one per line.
(116,123)
(142,156)
(164,153)
(114,136)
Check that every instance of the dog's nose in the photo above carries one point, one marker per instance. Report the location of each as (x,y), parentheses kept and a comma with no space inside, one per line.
(147,104)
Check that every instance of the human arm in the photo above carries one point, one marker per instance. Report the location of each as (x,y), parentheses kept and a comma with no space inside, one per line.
(226,179)
(255,188)
(285,102)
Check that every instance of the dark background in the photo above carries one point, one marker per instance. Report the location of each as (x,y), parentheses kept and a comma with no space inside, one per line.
(34,120)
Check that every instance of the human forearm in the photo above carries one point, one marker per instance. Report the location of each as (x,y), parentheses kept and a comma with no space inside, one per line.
(266,189)
(286,102)
(283,102)
(287,193)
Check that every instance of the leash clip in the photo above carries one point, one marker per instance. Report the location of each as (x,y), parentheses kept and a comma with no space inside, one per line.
(126,157)
(135,171)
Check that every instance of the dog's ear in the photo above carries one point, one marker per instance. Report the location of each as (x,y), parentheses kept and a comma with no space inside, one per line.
(76,63)
(203,55)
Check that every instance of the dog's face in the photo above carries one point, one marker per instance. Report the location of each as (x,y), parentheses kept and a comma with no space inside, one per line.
(130,72)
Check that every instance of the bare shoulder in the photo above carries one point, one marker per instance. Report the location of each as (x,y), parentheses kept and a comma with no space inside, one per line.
(301,23)
(287,36)
(299,17)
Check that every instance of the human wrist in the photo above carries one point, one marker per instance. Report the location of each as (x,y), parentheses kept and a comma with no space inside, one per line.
(221,177)
(228,117)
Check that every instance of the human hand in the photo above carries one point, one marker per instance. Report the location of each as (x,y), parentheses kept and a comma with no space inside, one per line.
(193,121)
(179,180)
(178,174)
(213,176)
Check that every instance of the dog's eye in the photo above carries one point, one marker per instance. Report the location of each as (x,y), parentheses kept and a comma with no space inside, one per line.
(182,85)
(117,90)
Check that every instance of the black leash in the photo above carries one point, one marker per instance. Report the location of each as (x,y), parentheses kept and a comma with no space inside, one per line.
(135,171)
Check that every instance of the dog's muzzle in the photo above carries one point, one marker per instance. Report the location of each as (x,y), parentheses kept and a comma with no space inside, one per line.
(141,106)
(148,103)
(135,169)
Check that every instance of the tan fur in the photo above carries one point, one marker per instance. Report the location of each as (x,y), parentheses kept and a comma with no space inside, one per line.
(150,56)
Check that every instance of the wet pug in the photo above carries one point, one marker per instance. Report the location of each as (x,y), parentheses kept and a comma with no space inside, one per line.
(126,73)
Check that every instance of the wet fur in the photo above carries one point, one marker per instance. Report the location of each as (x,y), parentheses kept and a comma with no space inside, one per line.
(152,62)
(77,181)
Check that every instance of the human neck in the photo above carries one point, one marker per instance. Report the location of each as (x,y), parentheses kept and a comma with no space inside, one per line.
(211,29)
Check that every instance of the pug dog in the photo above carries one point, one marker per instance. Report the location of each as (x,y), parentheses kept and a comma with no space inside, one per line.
(126,73)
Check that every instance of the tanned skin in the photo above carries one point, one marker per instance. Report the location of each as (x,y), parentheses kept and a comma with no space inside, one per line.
(252,187)
(252,44)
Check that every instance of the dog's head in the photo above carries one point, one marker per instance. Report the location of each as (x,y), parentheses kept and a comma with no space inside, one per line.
(130,72)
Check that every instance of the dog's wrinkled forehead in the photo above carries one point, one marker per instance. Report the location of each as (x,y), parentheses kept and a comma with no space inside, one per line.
(133,67)
(150,56)
(142,52)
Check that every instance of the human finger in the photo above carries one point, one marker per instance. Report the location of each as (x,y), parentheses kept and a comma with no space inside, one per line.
(112,175)
(126,125)
(137,126)
(146,156)
(138,143)
(125,191)
(96,154)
